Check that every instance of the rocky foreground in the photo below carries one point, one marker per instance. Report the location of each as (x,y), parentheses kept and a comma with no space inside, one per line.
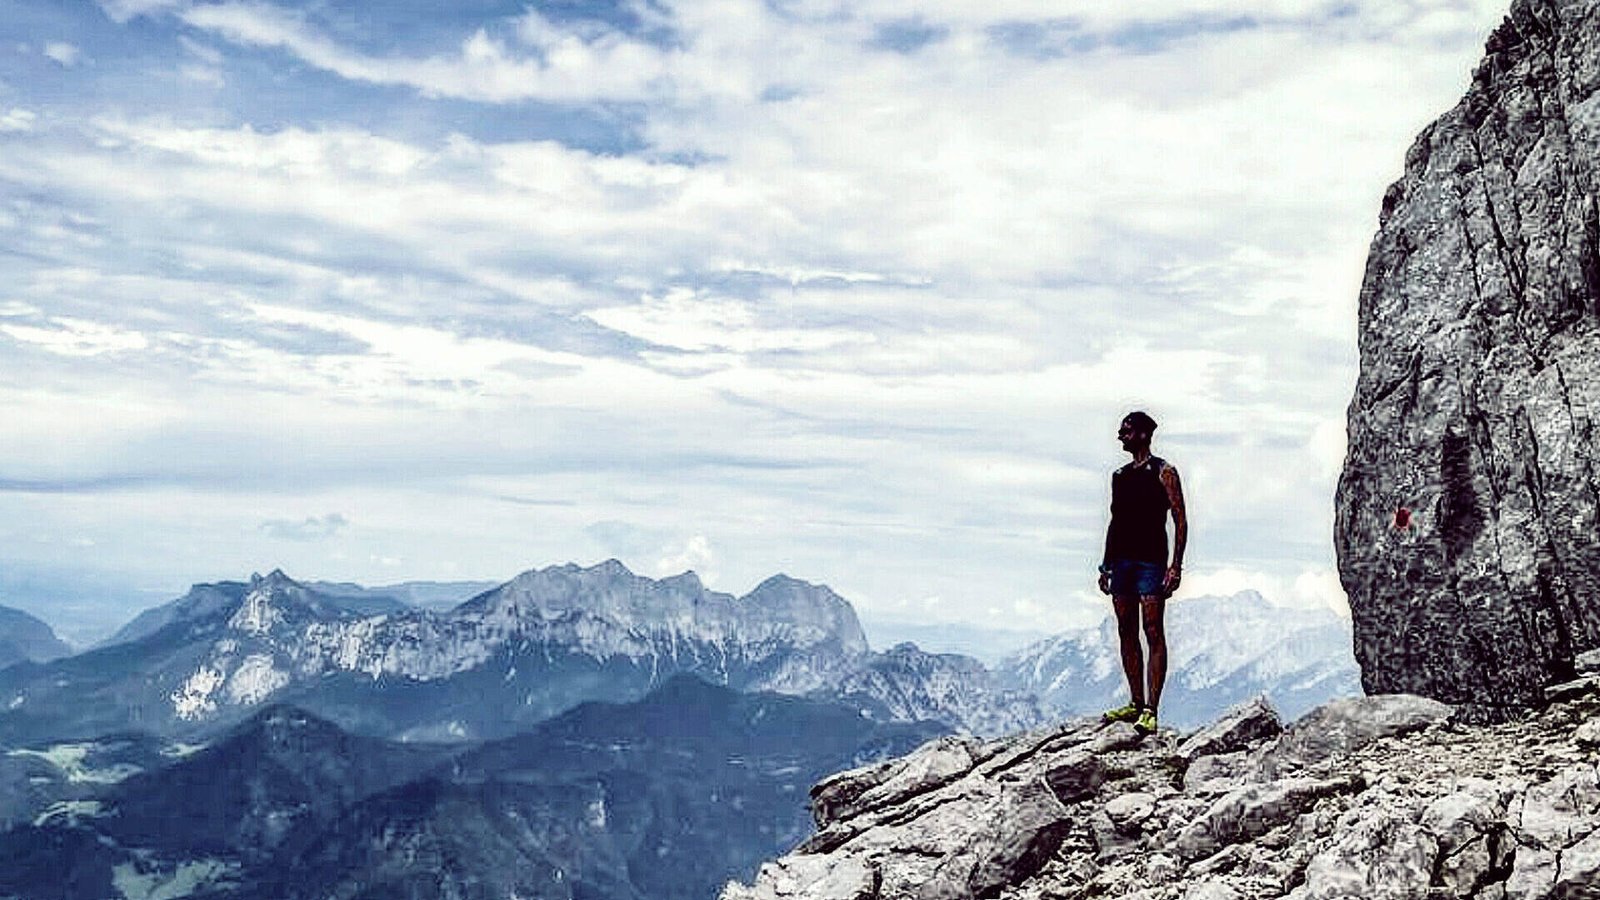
(1375,797)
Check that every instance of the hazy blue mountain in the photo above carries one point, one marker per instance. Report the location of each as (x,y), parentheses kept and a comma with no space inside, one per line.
(492,666)
(1221,651)
(987,645)
(666,797)
(907,684)
(209,817)
(24,637)
(210,656)
(434,595)
(330,599)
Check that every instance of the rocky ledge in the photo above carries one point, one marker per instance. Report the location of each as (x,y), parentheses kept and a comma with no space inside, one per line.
(1377,797)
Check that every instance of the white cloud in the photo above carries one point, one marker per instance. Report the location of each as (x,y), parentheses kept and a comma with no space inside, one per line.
(311,528)
(124,10)
(865,316)
(690,320)
(1310,588)
(203,75)
(63,53)
(207,54)
(17,120)
(694,556)
(555,64)
(75,337)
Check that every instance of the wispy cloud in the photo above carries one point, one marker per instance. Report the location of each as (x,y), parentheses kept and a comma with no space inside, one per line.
(62,53)
(546,63)
(841,292)
(311,528)
(15,120)
(126,10)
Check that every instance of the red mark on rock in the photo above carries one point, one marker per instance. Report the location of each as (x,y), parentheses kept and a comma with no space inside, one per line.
(1402,518)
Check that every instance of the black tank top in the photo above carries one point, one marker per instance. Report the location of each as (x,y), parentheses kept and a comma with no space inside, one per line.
(1139,507)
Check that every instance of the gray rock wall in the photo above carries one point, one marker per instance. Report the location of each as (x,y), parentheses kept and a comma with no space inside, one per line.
(1479,390)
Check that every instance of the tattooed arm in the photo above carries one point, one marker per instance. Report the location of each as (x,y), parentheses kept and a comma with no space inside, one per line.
(1180,526)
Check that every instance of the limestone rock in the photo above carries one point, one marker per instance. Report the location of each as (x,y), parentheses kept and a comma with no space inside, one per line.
(1476,407)
(1588,734)
(1587,662)
(1344,725)
(1237,729)
(849,793)
(1579,876)
(818,876)
(1216,774)
(1559,812)
(1212,889)
(1253,810)
(1381,797)
(1383,854)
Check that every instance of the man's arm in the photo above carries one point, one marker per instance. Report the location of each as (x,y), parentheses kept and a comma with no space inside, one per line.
(1180,526)
(1105,564)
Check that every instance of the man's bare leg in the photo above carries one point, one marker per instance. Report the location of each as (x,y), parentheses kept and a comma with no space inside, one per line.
(1155,634)
(1127,610)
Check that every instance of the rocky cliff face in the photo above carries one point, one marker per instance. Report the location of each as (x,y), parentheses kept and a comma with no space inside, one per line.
(1469,505)
(1375,797)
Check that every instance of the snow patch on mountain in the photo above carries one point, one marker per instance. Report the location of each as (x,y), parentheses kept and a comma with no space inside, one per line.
(72,760)
(193,700)
(255,679)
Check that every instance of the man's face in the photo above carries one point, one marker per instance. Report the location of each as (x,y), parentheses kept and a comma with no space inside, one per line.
(1131,437)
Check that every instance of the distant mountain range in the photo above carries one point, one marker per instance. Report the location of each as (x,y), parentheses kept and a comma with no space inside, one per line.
(492,666)
(517,653)
(1221,651)
(574,732)
(434,595)
(666,797)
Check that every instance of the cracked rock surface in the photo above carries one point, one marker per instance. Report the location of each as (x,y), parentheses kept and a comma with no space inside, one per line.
(1377,797)
(1468,506)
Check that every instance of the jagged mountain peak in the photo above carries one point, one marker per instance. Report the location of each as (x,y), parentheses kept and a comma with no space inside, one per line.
(687,580)
(783,583)
(277,600)
(608,590)
(907,653)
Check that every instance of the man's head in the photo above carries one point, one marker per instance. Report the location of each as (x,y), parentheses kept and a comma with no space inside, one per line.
(1136,430)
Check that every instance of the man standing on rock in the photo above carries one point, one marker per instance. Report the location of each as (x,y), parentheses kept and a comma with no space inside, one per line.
(1135,570)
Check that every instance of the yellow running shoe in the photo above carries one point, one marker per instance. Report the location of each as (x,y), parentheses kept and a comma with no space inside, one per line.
(1146,723)
(1122,713)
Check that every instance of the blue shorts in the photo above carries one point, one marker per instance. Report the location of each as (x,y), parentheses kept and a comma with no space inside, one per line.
(1131,577)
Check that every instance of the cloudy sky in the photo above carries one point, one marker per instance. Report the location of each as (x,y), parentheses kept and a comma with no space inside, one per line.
(384,291)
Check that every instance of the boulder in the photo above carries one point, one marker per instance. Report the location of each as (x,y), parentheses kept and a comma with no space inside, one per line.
(1341,726)
(1253,810)
(932,765)
(1239,728)
(1467,509)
